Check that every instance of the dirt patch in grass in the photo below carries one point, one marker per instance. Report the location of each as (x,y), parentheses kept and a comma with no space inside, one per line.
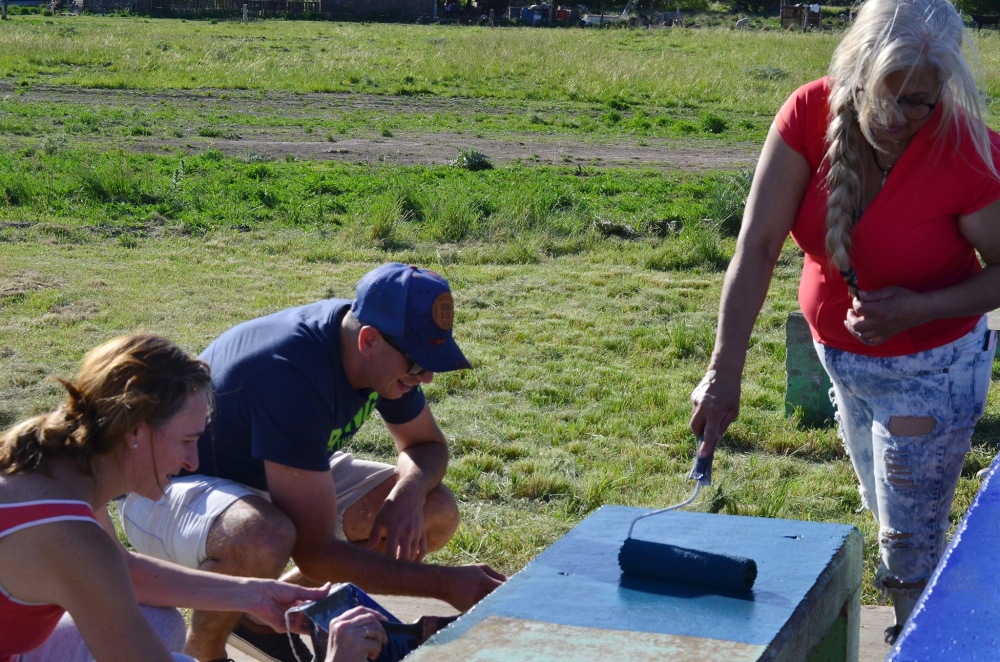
(438,148)
(15,287)
(401,147)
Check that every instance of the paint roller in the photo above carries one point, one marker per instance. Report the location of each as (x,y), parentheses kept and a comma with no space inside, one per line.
(681,564)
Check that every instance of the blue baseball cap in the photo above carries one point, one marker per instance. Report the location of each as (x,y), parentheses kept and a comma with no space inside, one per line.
(414,307)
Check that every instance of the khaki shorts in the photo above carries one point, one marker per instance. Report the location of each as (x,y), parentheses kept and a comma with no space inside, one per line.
(175,528)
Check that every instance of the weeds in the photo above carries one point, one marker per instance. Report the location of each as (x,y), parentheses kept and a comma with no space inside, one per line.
(384,215)
(725,202)
(537,206)
(471,159)
(698,246)
(17,189)
(712,123)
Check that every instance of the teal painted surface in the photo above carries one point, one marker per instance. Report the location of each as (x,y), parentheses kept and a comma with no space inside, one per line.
(807,386)
(958,616)
(510,640)
(577,581)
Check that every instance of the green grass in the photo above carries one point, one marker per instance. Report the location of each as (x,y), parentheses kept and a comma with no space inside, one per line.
(672,67)
(717,83)
(584,364)
(586,297)
(713,68)
(122,192)
(202,116)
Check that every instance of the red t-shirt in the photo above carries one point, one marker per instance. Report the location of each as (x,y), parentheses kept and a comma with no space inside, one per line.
(25,626)
(907,237)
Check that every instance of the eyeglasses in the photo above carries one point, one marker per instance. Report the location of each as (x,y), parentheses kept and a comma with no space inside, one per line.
(911,110)
(916,110)
(415,369)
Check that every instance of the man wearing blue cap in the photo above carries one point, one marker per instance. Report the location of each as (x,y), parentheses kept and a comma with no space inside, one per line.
(291,389)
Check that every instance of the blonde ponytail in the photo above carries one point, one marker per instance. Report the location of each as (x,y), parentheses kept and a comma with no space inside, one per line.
(122,383)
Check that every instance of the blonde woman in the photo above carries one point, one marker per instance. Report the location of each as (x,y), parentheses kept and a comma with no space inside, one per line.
(885,176)
(131,421)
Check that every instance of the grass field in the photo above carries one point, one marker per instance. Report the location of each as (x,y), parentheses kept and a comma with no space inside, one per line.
(586,295)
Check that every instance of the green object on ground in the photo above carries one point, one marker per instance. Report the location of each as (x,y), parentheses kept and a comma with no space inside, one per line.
(807,386)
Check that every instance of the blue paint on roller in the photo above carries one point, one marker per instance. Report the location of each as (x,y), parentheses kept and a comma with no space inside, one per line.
(681,564)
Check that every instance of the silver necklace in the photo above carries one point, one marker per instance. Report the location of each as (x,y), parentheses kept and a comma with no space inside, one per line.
(885,171)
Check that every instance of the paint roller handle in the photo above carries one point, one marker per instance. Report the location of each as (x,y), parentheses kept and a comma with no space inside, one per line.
(702,470)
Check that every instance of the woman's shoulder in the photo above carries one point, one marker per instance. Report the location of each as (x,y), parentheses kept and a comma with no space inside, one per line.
(44,514)
(807,101)
(814,91)
(41,564)
(803,118)
(33,486)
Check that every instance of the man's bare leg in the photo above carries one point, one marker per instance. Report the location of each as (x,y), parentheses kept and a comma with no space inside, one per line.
(441,520)
(251,538)
(441,516)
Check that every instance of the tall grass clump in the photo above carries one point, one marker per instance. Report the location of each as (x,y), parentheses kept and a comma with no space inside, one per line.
(17,189)
(472,159)
(379,224)
(529,208)
(698,246)
(111,182)
(712,123)
(452,216)
(725,201)
(689,341)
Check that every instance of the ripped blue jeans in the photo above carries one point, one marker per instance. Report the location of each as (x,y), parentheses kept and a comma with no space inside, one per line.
(906,422)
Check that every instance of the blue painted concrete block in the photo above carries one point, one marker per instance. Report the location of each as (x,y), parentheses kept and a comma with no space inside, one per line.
(958,616)
(574,603)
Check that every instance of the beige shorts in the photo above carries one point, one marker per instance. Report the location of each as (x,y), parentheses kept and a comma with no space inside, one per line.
(175,528)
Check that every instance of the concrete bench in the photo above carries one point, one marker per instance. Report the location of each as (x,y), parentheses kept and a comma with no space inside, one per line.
(958,616)
(572,603)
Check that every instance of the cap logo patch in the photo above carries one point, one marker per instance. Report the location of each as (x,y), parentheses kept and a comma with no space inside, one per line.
(443,311)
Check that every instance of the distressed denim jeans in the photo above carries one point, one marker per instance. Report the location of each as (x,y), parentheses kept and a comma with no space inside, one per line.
(908,477)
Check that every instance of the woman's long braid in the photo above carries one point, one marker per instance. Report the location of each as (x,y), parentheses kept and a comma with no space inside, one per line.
(843,182)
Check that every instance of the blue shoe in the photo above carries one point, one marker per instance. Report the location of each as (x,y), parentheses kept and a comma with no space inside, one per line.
(270,647)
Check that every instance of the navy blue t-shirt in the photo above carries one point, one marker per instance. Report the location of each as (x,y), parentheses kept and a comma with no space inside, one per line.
(281,395)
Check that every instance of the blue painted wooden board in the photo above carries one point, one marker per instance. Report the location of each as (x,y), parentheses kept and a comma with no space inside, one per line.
(958,616)
(577,583)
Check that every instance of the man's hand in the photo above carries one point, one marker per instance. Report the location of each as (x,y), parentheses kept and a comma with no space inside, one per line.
(422,462)
(401,521)
(468,584)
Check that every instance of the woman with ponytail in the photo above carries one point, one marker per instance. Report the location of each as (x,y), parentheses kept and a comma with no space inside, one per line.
(885,175)
(131,421)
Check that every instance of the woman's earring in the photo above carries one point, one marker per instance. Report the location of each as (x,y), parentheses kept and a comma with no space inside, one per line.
(135,445)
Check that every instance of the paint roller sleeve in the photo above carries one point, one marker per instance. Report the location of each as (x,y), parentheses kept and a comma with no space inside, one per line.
(681,564)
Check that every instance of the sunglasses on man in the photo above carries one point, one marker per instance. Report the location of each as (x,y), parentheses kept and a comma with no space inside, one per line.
(415,369)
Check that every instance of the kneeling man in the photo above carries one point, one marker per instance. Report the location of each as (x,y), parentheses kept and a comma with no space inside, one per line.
(291,389)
